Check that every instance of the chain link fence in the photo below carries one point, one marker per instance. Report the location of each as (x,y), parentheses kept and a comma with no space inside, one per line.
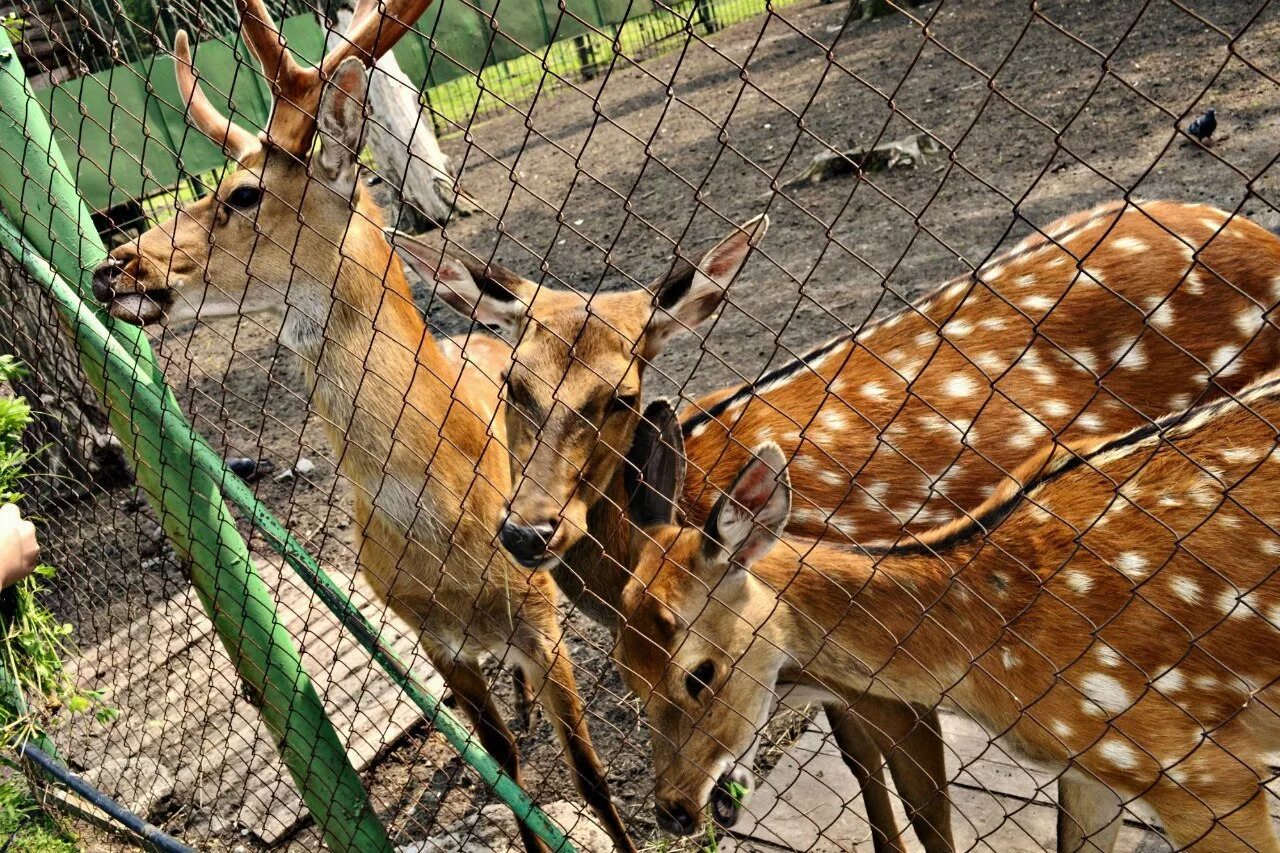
(993,284)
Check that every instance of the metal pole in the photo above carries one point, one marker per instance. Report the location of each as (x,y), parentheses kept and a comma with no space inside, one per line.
(38,194)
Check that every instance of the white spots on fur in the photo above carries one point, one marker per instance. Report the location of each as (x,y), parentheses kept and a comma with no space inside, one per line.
(992,324)
(926,339)
(958,329)
(1089,422)
(1231,603)
(1195,284)
(1249,321)
(1187,589)
(1208,683)
(1078,581)
(1119,753)
(832,420)
(1061,730)
(1239,455)
(1169,681)
(1130,355)
(1009,658)
(1163,316)
(873,390)
(1133,564)
(1179,402)
(1036,303)
(1087,359)
(1054,408)
(992,363)
(1131,245)
(1106,691)
(1270,547)
(960,385)
(1108,656)
(906,363)
(1034,364)
(1223,356)
(833,476)
(1026,280)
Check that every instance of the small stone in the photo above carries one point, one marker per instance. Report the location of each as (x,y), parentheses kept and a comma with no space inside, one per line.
(304,466)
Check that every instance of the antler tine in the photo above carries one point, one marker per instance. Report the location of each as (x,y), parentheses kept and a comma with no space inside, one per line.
(266,43)
(372,34)
(231,137)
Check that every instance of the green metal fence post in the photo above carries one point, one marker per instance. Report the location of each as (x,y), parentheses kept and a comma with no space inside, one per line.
(37,193)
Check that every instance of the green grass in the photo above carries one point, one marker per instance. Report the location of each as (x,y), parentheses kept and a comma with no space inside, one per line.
(26,827)
(517,80)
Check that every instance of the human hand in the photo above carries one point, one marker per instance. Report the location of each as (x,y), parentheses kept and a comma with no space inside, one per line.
(19,550)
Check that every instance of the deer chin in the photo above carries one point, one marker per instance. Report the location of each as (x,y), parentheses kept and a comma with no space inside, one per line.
(141,309)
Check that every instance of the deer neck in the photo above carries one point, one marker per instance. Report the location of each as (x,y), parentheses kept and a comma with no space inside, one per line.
(913,621)
(593,573)
(388,397)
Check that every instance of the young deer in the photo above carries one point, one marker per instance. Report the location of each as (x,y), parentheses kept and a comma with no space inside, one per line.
(293,233)
(1112,612)
(1105,320)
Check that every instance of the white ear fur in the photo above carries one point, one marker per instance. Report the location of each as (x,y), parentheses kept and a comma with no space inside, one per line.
(750,517)
(692,293)
(498,305)
(341,124)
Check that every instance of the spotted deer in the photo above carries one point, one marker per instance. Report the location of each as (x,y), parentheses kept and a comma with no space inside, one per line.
(1111,612)
(292,232)
(1094,325)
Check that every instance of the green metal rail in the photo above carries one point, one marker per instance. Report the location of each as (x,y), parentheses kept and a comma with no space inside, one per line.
(37,193)
(118,359)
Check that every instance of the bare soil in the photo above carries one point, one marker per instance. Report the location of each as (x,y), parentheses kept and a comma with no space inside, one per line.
(1039,114)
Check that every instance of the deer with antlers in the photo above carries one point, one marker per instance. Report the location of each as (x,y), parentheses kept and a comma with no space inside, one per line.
(1093,325)
(292,232)
(1112,612)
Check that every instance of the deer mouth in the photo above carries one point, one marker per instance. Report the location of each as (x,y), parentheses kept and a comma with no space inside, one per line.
(140,309)
(726,804)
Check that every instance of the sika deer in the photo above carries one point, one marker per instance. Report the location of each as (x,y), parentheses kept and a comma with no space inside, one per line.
(294,233)
(1112,611)
(1105,320)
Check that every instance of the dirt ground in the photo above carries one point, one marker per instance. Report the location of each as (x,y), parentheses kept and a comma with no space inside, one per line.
(1038,114)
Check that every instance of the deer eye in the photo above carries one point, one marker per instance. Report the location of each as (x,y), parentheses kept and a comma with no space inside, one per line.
(244,196)
(623,403)
(700,679)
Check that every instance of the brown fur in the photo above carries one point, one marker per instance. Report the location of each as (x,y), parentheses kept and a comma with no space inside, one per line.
(1119,623)
(410,435)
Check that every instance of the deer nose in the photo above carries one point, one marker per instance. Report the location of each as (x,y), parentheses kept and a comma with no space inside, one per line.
(105,279)
(676,819)
(527,543)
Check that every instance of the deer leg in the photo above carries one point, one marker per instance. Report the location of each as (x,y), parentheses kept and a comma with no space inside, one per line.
(863,758)
(1089,816)
(910,738)
(526,701)
(550,675)
(473,695)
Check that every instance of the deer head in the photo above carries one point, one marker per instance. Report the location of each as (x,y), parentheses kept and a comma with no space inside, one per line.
(576,375)
(696,644)
(276,231)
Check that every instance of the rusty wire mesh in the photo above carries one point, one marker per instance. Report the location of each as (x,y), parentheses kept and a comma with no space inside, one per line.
(891,154)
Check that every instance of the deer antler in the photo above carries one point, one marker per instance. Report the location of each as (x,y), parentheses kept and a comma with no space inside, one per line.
(376,27)
(237,142)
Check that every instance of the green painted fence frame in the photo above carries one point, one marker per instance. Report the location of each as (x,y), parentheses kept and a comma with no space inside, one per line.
(127,124)
(55,242)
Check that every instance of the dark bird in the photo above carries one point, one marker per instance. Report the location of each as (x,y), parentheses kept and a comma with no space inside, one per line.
(249,469)
(1203,127)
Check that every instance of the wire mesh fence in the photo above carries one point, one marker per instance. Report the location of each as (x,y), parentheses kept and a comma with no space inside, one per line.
(850,425)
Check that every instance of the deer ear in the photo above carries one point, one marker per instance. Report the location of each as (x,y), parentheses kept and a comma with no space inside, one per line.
(655,467)
(341,124)
(748,519)
(691,293)
(491,294)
